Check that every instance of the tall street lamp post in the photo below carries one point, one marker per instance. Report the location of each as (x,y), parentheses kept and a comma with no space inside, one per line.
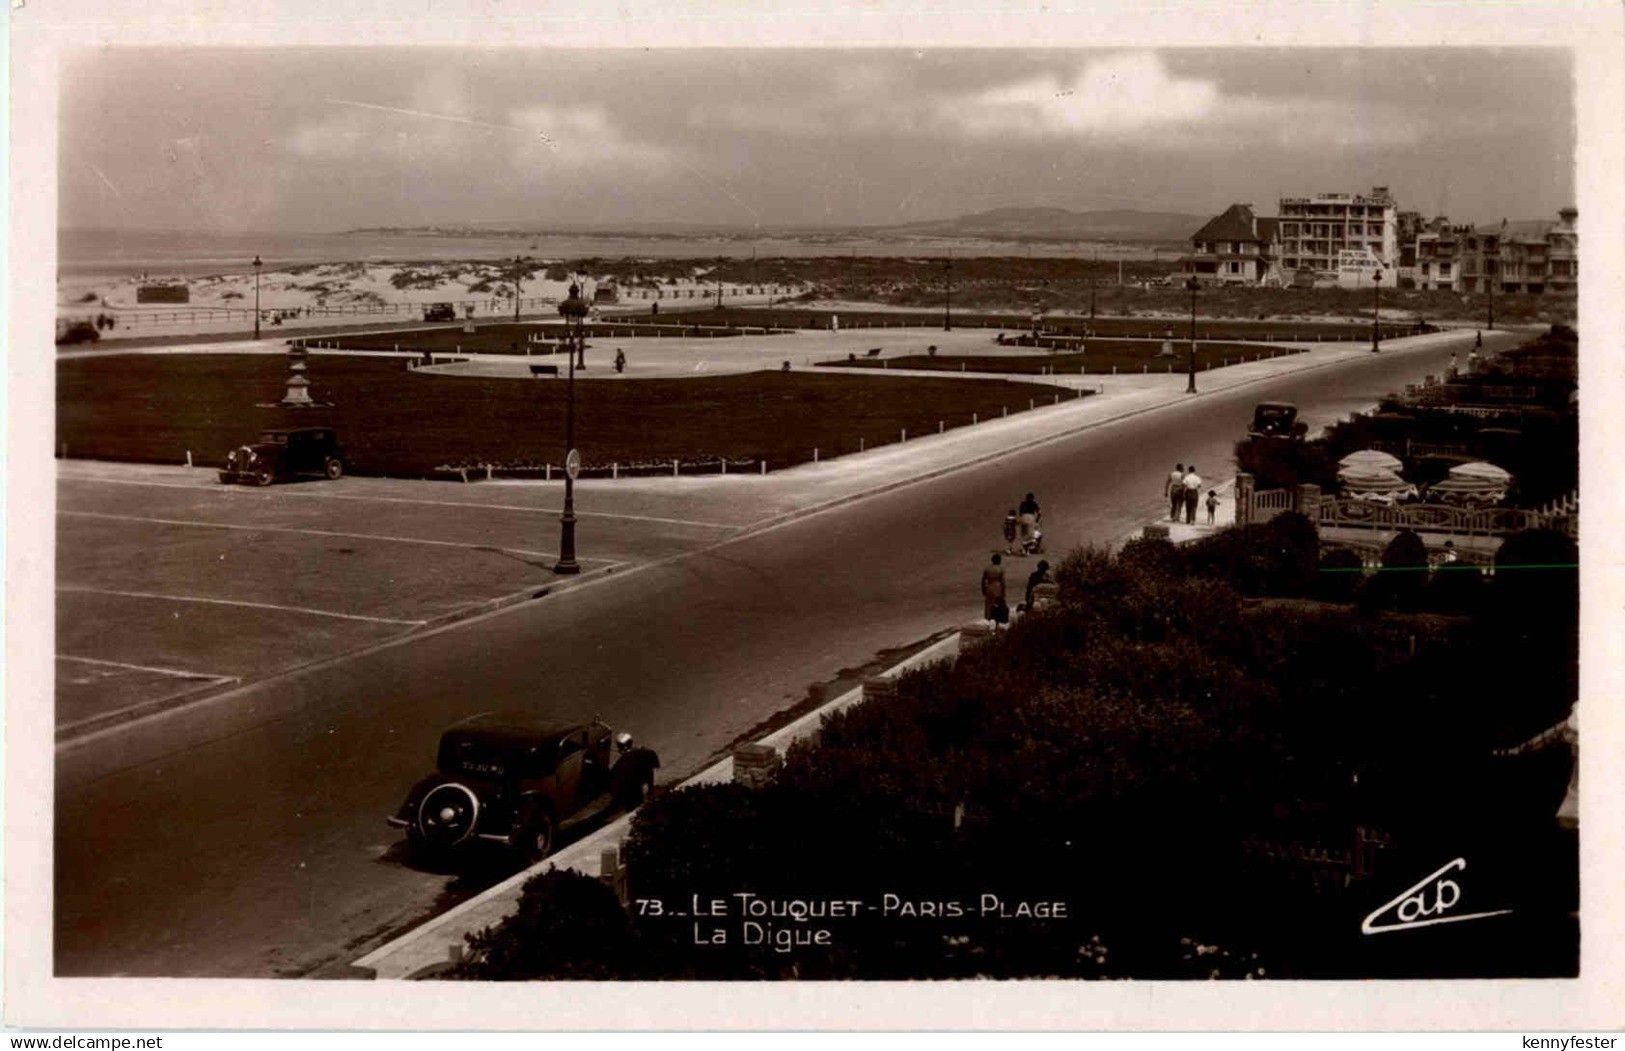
(948,292)
(516,289)
(573,310)
(1376,308)
(257,265)
(1190,383)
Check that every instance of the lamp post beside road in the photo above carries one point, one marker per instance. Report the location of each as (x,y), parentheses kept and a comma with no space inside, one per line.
(1376,308)
(516,289)
(257,265)
(948,292)
(1190,383)
(573,310)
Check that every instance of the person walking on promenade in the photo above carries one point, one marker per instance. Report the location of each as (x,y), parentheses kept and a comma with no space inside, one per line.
(993,606)
(1010,532)
(1193,490)
(1038,576)
(1212,505)
(1174,490)
(1028,519)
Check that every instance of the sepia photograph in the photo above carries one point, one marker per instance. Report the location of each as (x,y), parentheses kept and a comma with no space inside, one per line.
(670,504)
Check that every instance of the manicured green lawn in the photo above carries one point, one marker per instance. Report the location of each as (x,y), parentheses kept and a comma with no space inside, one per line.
(1103,356)
(154,408)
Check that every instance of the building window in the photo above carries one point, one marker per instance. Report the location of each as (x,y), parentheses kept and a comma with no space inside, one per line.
(1444,269)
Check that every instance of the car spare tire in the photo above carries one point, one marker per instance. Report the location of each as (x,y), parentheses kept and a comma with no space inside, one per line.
(447,815)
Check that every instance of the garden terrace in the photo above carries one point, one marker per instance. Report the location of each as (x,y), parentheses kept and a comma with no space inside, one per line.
(157,408)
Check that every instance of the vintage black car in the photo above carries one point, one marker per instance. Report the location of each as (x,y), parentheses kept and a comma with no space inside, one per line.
(1276,419)
(440,312)
(284,454)
(509,780)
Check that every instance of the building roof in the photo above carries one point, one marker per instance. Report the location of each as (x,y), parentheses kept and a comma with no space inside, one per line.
(1235,223)
(1518,230)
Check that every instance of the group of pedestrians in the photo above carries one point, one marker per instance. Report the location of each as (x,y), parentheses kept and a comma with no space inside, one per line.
(1021,527)
(1183,490)
(994,605)
(1021,537)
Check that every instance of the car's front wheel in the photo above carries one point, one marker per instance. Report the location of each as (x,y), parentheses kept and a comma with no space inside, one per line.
(334,468)
(262,477)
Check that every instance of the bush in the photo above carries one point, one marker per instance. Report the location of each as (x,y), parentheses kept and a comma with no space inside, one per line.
(1277,463)
(1340,575)
(1278,557)
(1537,577)
(567,926)
(1398,584)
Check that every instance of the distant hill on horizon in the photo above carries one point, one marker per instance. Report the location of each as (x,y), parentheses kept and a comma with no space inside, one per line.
(1005,224)
(1060,224)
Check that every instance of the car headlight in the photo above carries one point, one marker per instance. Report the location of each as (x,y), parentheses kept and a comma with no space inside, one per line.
(231,457)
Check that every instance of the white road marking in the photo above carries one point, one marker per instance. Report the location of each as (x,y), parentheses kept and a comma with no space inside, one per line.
(232,491)
(303,532)
(177,672)
(85,589)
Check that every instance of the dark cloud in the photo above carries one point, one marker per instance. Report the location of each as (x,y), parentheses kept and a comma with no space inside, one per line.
(332,138)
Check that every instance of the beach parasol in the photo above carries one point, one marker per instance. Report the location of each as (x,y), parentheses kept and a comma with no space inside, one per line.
(1480,469)
(1365,484)
(1370,459)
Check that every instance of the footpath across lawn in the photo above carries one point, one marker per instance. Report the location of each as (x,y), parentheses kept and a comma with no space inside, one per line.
(1104,356)
(156,408)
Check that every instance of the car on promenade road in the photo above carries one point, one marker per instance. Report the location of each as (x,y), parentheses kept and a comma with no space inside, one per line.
(284,454)
(511,780)
(440,312)
(1277,419)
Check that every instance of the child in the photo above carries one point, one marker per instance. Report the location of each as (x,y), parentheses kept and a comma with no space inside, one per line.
(1010,522)
(1212,505)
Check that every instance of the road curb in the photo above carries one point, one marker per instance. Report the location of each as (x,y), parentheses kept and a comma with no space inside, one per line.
(429,948)
(976,461)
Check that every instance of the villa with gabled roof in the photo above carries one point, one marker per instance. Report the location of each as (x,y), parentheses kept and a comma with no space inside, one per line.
(1234,247)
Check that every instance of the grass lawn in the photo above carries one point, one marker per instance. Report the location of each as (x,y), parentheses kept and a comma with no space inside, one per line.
(153,408)
(1143,328)
(509,338)
(1103,357)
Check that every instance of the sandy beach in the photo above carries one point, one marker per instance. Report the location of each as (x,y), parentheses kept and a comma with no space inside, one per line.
(307,295)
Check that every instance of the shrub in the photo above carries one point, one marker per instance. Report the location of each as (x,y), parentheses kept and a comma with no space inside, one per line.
(1278,557)
(1277,463)
(1399,582)
(1537,576)
(1339,575)
(566,926)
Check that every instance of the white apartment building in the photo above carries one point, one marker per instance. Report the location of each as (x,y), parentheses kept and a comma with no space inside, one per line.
(1321,233)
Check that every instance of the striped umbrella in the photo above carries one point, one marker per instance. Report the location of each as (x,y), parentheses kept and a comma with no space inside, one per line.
(1370,459)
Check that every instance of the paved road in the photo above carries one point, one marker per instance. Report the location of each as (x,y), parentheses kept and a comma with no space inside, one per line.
(246,837)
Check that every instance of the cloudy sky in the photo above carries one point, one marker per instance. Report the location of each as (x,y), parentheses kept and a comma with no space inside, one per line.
(331,139)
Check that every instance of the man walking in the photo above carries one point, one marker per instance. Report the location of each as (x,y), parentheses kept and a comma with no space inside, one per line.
(993,606)
(1192,490)
(1174,490)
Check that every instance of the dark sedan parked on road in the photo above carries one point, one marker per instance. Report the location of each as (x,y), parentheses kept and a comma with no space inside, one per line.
(509,780)
(283,454)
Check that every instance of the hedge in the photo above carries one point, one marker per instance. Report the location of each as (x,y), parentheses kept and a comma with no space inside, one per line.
(1163,753)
